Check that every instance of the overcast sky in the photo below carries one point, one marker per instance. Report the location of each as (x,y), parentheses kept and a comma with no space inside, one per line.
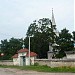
(17,15)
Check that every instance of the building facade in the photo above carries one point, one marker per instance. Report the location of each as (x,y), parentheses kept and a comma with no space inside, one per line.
(22,57)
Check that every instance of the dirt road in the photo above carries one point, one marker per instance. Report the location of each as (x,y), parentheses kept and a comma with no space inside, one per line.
(8,71)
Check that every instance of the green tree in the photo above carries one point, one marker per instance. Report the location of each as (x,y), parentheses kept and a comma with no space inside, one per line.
(42,32)
(73,35)
(73,38)
(65,42)
(9,48)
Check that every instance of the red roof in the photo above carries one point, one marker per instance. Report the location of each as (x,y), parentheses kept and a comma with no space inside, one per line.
(31,54)
(15,56)
(23,50)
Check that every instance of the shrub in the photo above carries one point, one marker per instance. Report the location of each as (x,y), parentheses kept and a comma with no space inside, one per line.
(36,64)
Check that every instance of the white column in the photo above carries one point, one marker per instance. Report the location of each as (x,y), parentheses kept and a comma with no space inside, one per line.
(29,50)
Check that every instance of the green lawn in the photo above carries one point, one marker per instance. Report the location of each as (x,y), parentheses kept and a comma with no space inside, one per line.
(42,68)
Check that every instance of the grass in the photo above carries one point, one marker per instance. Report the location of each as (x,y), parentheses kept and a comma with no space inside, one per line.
(42,68)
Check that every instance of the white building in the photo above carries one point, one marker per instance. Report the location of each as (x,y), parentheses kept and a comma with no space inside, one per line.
(22,57)
(70,54)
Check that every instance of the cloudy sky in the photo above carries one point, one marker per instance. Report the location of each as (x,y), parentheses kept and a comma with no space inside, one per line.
(17,15)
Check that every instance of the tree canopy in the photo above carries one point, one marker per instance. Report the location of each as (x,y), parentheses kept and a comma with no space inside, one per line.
(42,32)
(9,48)
(65,42)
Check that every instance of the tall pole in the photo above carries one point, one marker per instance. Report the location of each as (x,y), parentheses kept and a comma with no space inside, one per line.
(29,50)
(23,44)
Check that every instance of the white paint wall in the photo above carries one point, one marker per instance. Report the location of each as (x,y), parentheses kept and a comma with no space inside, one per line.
(51,63)
(31,60)
(56,62)
(19,57)
(70,56)
(50,55)
(15,61)
(22,54)
(27,61)
(19,60)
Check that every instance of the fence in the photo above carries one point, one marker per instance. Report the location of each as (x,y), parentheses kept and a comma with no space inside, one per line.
(51,63)
(56,62)
(6,62)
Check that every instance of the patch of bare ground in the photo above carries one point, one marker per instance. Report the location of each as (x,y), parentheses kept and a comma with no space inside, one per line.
(9,71)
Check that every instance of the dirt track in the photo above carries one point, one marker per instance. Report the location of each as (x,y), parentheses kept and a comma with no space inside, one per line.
(8,71)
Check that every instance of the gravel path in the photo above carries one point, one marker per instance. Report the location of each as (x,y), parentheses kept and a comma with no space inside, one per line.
(8,71)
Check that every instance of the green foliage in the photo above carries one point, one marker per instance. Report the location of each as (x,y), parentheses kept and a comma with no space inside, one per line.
(65,43)
(42,32)
(73,35)
(9,48)
(60,54)
(36,64)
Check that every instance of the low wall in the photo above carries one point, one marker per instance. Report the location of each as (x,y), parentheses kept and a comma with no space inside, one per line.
(6,62)
(51,63)
(56,62)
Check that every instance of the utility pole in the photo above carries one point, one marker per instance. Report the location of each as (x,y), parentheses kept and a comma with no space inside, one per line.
(23,46)
(29,50)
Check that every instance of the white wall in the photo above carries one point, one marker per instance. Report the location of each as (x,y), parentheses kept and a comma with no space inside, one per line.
(51,63)
(6,62)
(50,55)
(27,61)
(31,60)
(19,60)
(15,61)
(70,56)
(22,54)
(19,57)
(56,62)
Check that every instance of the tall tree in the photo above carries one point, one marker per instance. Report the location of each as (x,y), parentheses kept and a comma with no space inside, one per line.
(42,32)
(73,35)
(73,38)
(9,48)
(65,42)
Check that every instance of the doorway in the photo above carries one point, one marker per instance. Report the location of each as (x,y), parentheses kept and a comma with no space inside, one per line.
(22,61)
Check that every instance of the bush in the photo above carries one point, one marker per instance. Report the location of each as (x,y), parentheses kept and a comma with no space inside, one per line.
(36,64)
